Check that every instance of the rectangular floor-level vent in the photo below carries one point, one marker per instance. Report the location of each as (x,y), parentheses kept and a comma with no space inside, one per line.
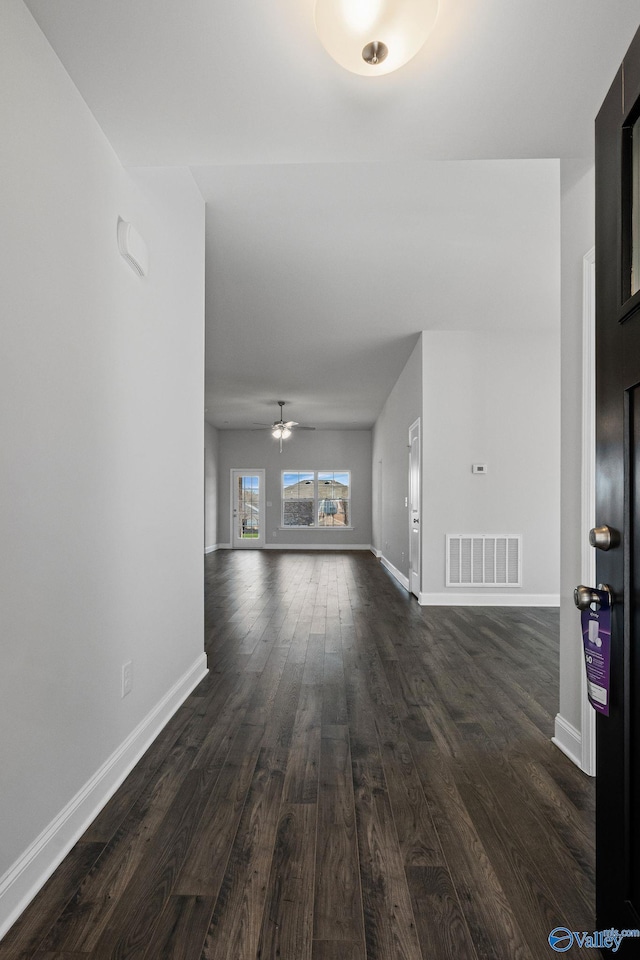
(483,560)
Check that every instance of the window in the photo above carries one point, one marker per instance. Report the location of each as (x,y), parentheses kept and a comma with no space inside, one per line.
(316,498)
(333,499)
(298,499)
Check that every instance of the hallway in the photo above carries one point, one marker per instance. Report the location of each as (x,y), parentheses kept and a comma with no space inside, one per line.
(357,777)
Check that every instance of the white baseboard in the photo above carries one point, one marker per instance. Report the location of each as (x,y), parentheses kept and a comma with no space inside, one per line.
(395,573)
(377,553)
(481,599)
(212,549)
(30,872)
(569,740)
(305,546)
(317,546)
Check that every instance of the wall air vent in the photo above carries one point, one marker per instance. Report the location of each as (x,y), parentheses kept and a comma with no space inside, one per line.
(484,560)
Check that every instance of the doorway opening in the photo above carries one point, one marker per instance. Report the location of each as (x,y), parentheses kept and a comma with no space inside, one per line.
(415,477)
(247,509)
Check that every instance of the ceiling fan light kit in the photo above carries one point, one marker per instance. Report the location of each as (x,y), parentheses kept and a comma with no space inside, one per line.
(281,429)
(374,37)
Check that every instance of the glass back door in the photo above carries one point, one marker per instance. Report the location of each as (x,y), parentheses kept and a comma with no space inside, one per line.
(247,509)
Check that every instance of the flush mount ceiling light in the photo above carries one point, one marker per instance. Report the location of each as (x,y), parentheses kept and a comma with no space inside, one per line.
(374,37)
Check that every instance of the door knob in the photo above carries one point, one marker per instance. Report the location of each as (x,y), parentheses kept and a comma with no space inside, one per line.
(583,596)
(604,538)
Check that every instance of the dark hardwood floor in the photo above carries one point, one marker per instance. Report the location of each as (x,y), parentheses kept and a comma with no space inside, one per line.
(357,777)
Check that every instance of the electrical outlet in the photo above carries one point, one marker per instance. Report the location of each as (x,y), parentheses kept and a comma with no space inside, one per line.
(127,678)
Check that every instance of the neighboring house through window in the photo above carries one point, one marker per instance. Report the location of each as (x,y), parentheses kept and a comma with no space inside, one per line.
(316,498)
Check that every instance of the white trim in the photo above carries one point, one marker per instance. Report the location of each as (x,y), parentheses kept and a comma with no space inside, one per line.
(377,553)
(587,761)
(489,599)
(568,739)
(317,546)
(400,577)
(317,529)
(32,869)
(212,549)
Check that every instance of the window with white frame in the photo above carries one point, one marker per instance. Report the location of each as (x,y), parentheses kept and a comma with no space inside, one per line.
(316,498)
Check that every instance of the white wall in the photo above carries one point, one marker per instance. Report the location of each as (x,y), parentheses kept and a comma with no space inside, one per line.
(101,458)
(578,236)
(390,460)
(304,450)
(210,488)
(492,398)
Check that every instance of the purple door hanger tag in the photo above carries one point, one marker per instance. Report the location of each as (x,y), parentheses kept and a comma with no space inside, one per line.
(596,640)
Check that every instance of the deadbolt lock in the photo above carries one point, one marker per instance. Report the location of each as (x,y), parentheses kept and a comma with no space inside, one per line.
(604,538)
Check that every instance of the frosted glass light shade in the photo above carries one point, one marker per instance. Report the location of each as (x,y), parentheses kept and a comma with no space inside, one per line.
(280,431)
(347,27)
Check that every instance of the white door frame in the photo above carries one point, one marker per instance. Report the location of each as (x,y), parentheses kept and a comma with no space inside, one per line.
(250,543)
(415,512)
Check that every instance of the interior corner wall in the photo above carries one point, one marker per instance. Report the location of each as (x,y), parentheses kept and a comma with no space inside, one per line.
(577,238)
(390,466)
(304,450)
(492,397)
(210,488)
(101,383)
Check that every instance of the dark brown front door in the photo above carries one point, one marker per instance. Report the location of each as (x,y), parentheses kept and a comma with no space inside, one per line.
(618,494)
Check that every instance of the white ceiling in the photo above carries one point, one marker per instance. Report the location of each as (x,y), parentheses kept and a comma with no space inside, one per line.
(322,275)
(325,249)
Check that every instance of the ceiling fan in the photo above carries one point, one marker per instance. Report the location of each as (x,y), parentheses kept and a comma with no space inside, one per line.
(280,429)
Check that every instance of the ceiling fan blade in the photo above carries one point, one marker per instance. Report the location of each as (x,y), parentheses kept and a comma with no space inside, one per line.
(306,428)
(291,423)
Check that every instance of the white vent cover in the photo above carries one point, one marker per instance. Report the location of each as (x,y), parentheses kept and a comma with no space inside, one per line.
(484,560)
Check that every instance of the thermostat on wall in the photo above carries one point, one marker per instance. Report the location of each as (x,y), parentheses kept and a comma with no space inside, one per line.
(478,468)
